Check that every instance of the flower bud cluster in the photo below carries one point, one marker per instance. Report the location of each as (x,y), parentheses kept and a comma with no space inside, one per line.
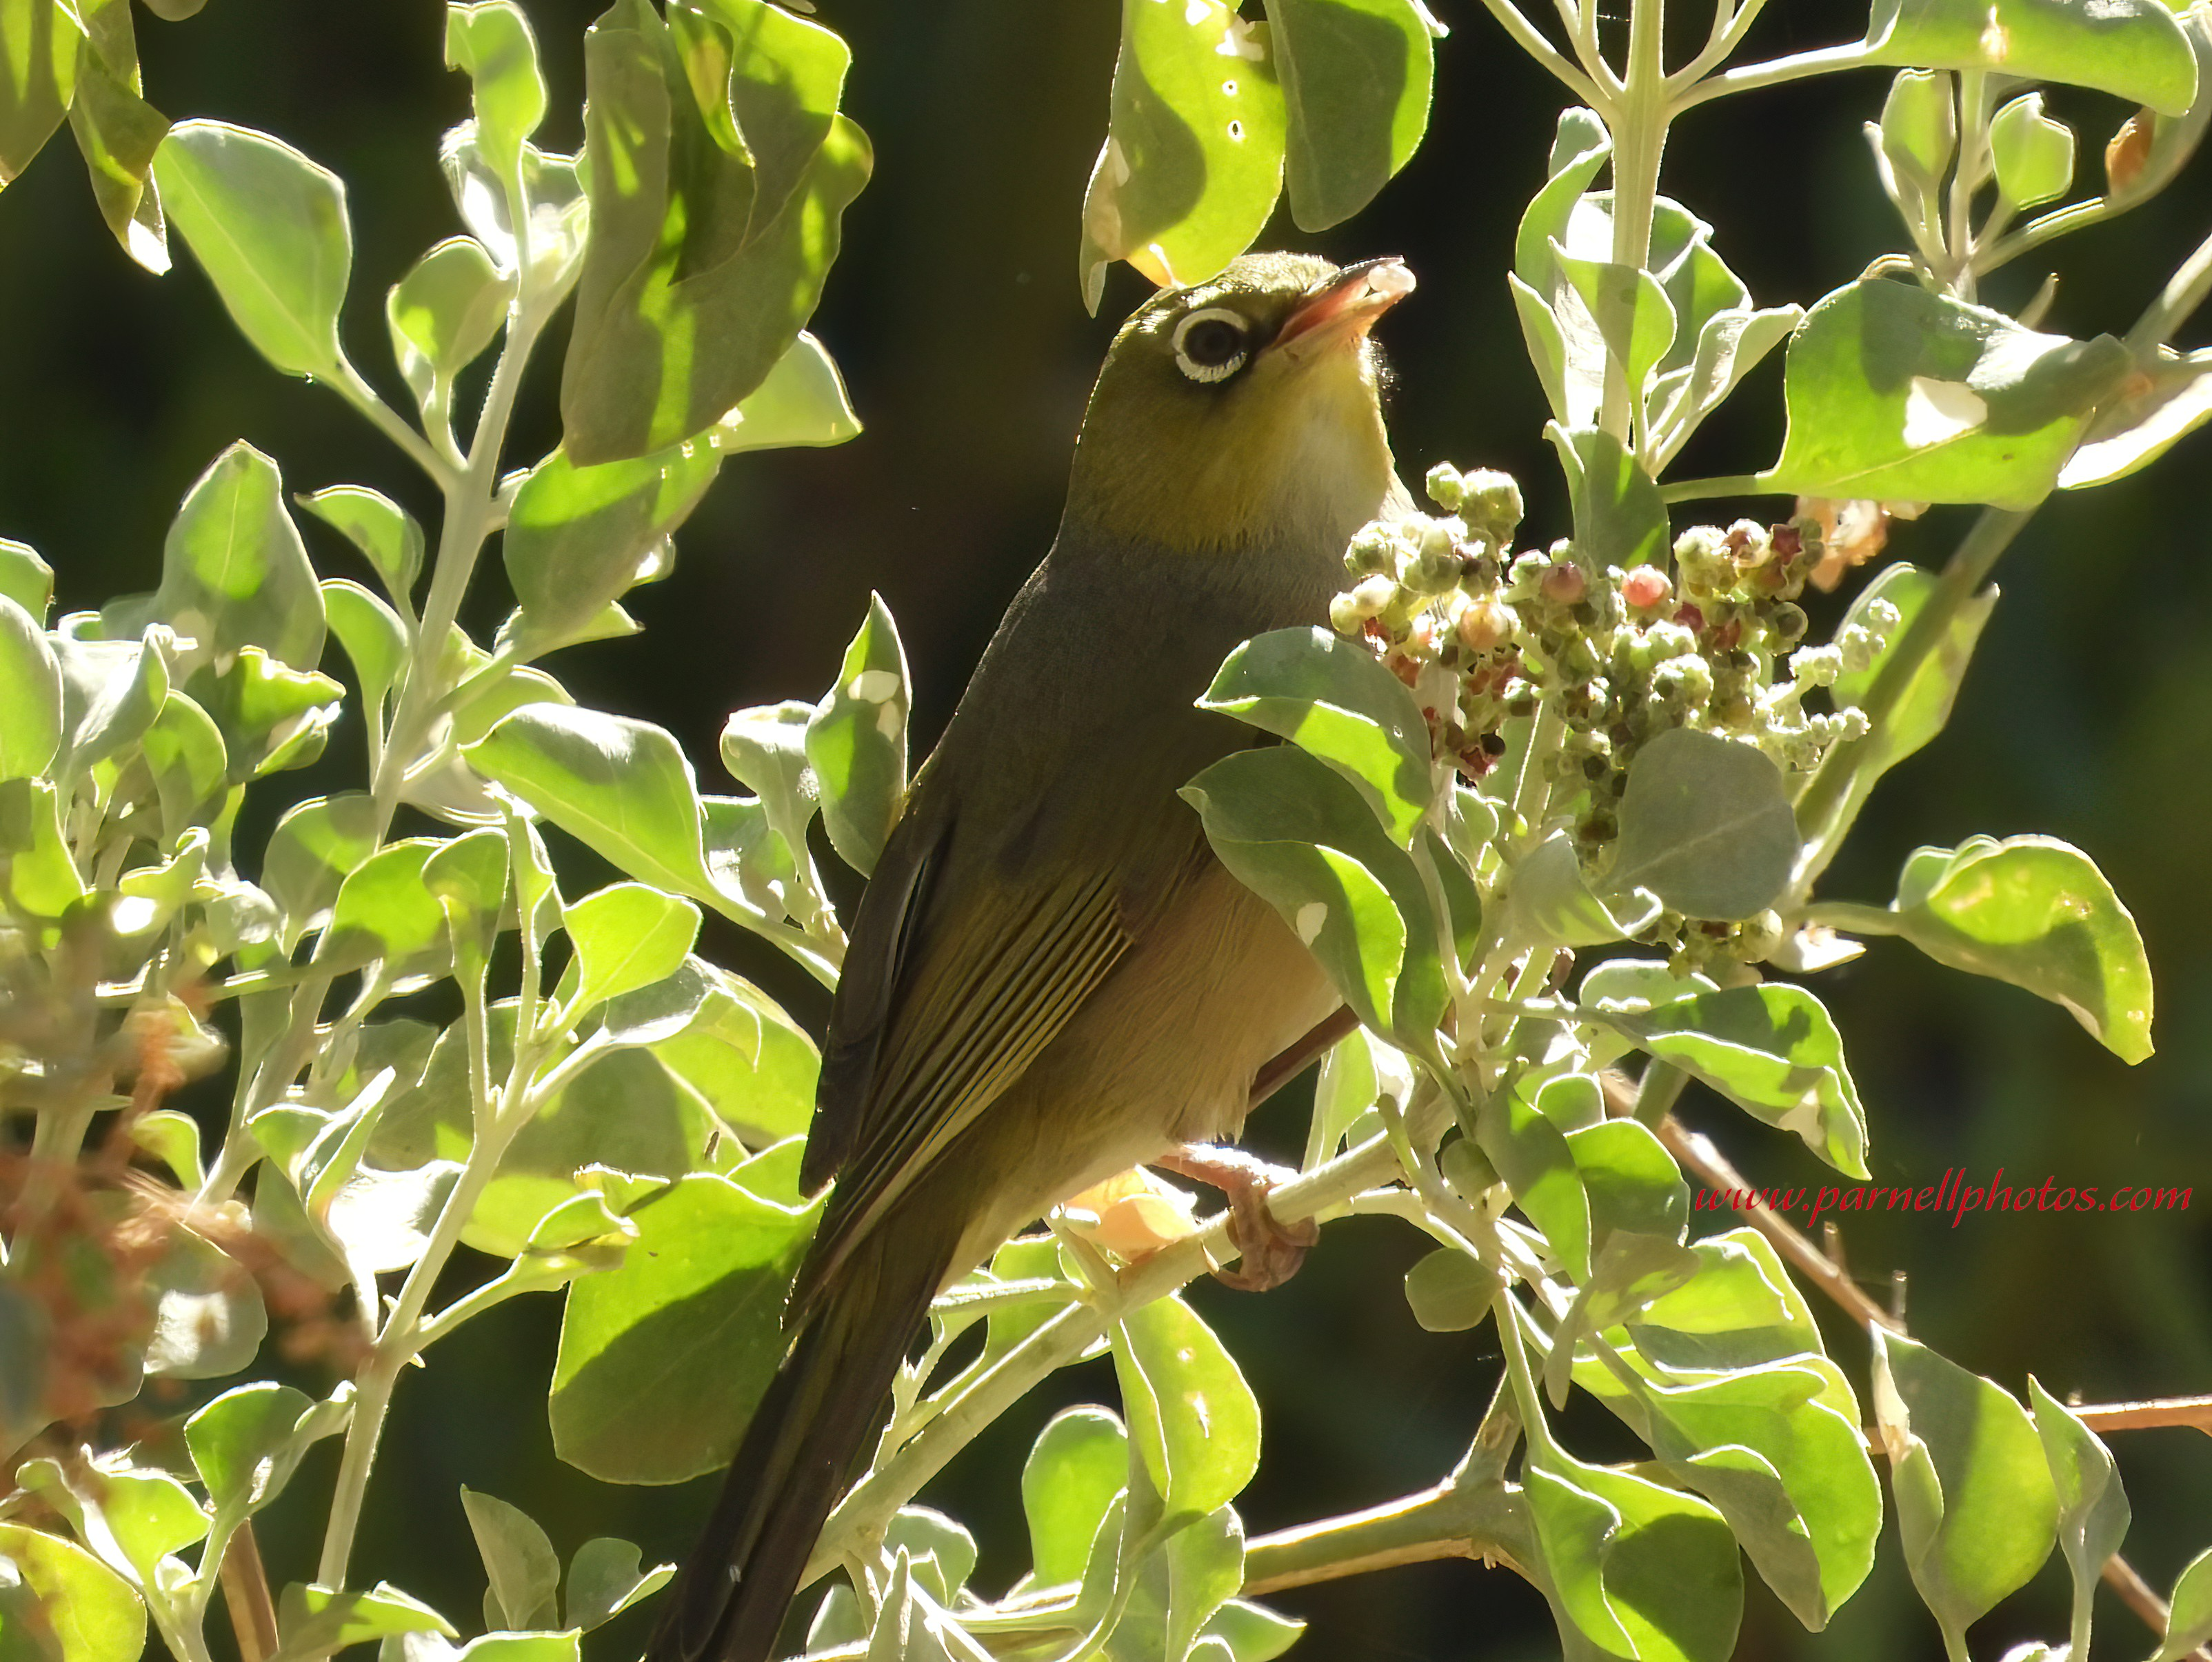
(1484,634)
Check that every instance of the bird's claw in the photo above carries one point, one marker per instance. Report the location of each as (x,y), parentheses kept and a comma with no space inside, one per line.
(1269,1251)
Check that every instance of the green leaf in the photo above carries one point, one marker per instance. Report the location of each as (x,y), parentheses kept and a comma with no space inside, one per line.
(605,1580)
(1805,1505)
(1773,1051)
(468,877)
(183,750)
(42,879)
(1356,77)
(26,578)
(1249,1633)
(270,228)
(802,404)
(1551,901)
(1729,347)
(621,788)
(520,1648)
(30,695)
(444,313)
(1297,833)
(707,249)
(2189,1622)
(491,40)
(2168,398)
(112,691)
(1637,1569)
(663,1357)
(1079,1463)
(270,717)
(750,1063)
(1920,125)
(149,1515)
(247,1442)
(627,936)
(856,741)
(40,42)
(2092,1508)
(58,1588)
(1705,824)
(2132,49)
(1580,148)
(624,790)
(385,913)
(209,1320)
(1634,317)
(1331,697)
(1741,1310)
(1192,160)
(1179,1587)
(579,538)
(234,573)
(1195,1421)
(2037,912)
(1920,712)
(119,133)
(1533,1156)
(941,1551)
(1631,1180)
(1975,1506)
(372,635)
(1450,1292)
(1547,344)
(316,846)
(173,1138)
(384,531)
(524,1570)
(314,1621)
(1895,392)
(1620,519)
(2033,154)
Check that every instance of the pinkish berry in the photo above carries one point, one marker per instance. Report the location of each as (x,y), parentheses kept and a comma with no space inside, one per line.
(1646,587)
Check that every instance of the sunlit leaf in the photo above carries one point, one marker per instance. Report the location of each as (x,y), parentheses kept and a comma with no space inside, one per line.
(1895,392)
(856,741)
(1079,1463)
(1330,697)
(270,228)
(1772,1049)
(1195,1423)
(663,1358)
(1976,1508)
(2037,912)
(1192,160)
(2130,48)
(704,262)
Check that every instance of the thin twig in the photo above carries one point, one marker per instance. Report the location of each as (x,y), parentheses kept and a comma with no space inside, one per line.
(246,1596)
(2101,1417)
(2138,1596)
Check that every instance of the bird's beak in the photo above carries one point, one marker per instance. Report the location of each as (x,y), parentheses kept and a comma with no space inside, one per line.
(1344,307)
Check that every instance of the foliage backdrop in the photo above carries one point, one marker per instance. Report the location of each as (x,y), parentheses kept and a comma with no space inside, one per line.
(955,310)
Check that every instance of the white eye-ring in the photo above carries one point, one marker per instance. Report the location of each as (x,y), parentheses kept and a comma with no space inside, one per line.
(1212,344)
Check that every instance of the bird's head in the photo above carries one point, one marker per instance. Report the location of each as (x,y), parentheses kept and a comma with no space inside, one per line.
(1243,409)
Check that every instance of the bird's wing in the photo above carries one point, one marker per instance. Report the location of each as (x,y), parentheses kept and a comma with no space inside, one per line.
(946,1018)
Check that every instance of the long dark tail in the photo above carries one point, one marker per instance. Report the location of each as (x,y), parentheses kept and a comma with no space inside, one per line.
(823,1408)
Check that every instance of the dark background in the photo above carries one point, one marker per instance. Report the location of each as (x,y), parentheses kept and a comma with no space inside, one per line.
(955,314)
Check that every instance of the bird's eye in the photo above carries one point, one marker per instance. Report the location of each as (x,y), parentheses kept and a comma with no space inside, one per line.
(1211,344)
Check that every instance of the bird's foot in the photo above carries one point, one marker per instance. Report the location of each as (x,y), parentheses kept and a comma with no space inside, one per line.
(1269,1251)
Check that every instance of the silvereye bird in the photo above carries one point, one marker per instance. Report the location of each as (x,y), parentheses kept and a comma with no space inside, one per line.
(1050,978)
